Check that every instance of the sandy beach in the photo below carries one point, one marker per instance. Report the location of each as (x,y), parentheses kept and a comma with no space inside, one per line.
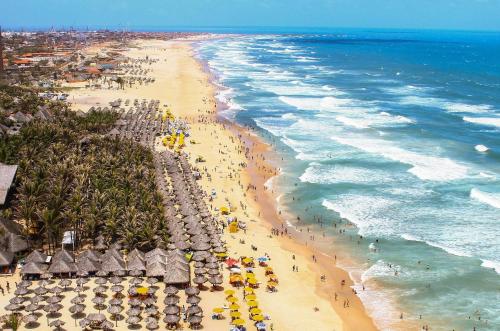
(236,169)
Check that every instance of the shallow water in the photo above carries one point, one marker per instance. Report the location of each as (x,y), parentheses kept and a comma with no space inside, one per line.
(397,132)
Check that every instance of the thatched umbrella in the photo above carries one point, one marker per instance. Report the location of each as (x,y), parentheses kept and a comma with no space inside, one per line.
(215,280)
(134,302)
(65,283)
(21,291)
(170,290)
(199,264)
(115,280)
(212,265)
(96,318)
(152,325)
(25,283)
(52,308)
(172,319)
(30,319)
(101,273)
(54,299)
(100,281)
(98,300)
(213,272)
(40,290)
(84,323)
(192,291)
(171,300)
(200,280)
(115,311)
(194,299)
(107,325)
(194,319)
(76,309)
(152,310)
(120,272)
(99,289)
(116,302)
(193,310)
(199,271)
(79,289)
(13,307)
(135,281)
(36,299)
(82,281)
(57,324)
(17,300)
(117,288)
(77,300)
(133,312)
(133,320)
(171,310)
(150,301)
(56,290)
(136,272)
(32,307)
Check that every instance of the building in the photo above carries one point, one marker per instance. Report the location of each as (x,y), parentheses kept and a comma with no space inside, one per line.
(7,174)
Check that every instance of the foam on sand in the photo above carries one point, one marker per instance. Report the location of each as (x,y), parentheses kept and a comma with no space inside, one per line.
(488,198)
(423,166)
(488,121)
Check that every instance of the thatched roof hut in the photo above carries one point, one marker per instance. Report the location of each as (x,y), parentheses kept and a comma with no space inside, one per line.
(136,253)
(36,256)
(63,255)
(155,269)
(136,263)
(175,276)
(112,264)
(87,265)
(61,266)
(6,258)
(33,268)
(156,251)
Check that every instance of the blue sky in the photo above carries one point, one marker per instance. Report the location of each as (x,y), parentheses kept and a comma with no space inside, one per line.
(418,14)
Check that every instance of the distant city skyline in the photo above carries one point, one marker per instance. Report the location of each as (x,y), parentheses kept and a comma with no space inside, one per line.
(272,14)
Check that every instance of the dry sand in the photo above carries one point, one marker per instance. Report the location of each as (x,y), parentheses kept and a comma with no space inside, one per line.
(302,302)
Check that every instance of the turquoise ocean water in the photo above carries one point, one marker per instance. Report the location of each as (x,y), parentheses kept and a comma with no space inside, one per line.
(396,133)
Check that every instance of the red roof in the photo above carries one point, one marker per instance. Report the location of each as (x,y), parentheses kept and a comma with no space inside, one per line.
(22,61)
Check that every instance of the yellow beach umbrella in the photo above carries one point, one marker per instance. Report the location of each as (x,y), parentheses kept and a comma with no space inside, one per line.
(218,310)
(272,284)
(238,321)
(258,318)
(252,281)
(232,299)
(249,289)
(269,269)
(251,297)
(252,304)
(142,290)
(229,292)
(221,254)
(247,260)
(235,314)
(234,306)
(255,311)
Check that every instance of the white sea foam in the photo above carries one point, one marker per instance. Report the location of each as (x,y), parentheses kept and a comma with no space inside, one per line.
(491,265)
(451,250)
(321,174)
(488,121)
(326,103)
(455,107)
(481,148)
(423,166)
(367,120)
(488,198)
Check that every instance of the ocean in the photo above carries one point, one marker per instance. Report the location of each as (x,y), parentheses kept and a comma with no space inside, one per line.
(395,137)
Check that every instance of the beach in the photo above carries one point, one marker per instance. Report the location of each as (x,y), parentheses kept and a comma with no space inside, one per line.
(236,169)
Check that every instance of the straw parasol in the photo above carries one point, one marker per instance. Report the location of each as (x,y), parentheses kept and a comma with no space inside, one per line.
(56,290)
(194,299)
(194,319)
(98,300)
(76,309)
(100,281)
(117,288)
(115,302)
(30,319)
(192,290)
(56,324)
(199,280)
(172,319)
(171,310)
(133,312)
(171,300)
(133,320)
(193,310)
(54,299)
(152,325)
(135,272)
(99,289)
(17,300)
(134,302)
(115,280)
(170,290)
(152,310)
(152,280)
(13,307)
(21,291)
(40,290)
(135,281)
(32,307)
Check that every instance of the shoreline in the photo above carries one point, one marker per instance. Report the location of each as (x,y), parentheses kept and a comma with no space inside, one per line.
(187,89)
(267,204)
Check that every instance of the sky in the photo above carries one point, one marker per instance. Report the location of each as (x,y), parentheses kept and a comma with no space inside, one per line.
(140,14)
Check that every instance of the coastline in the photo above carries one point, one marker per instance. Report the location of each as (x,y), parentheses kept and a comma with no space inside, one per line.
(182,83)
(259,172)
